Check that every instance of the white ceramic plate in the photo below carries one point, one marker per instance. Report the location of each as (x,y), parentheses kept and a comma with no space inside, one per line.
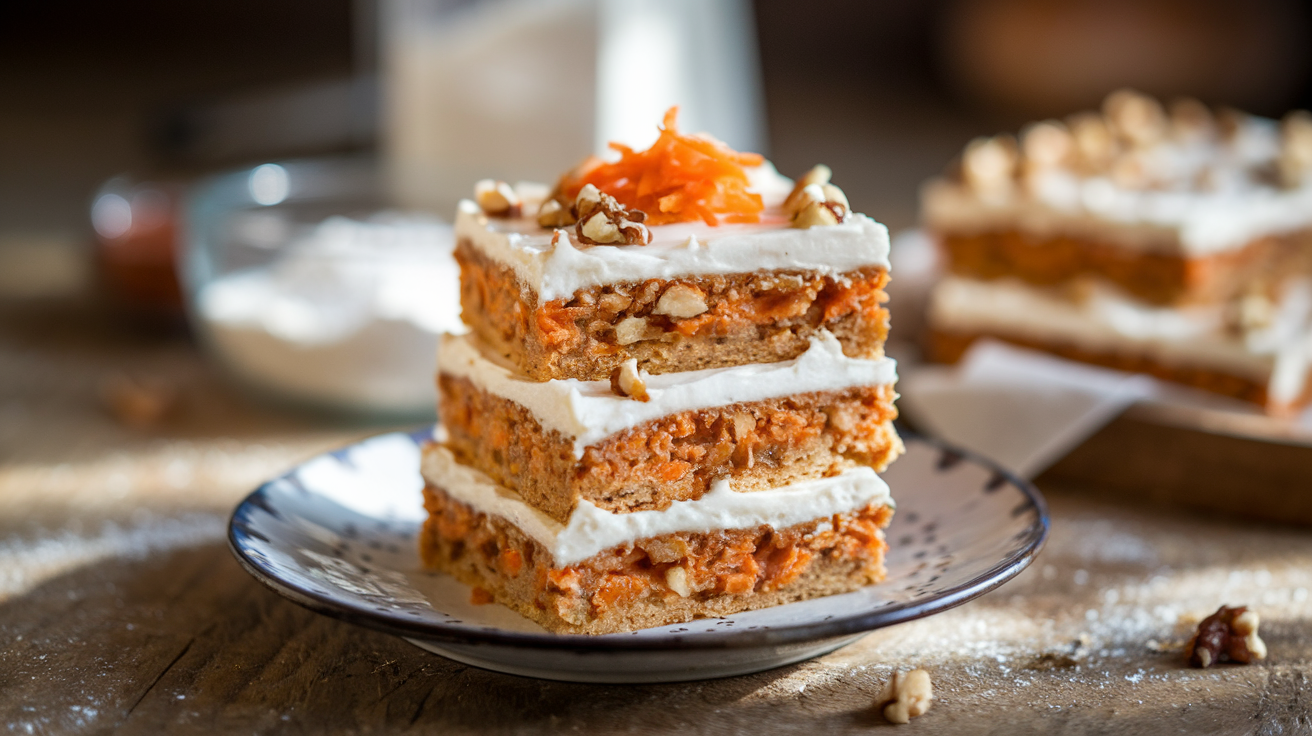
(338,535)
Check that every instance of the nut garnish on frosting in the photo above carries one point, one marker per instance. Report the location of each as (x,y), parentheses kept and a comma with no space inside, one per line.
(497,198)
(602,220)
(814,201)
(1137,145)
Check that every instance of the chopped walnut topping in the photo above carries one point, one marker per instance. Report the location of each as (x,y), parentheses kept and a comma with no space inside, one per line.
(814,201)
(626,380)
(1136,118)
(553,214)
(1046,145)
(681,301)
(497,199)
(819,174)
(1229,635)
(1295,159)
(1094,145)
(907,696)
(602,220)
(988,165)
(1189,117)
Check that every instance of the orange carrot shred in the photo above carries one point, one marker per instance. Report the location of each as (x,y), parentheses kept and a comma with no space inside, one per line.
(681,178)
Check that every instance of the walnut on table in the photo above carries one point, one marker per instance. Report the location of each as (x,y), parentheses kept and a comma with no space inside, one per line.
(907,696)
(1229,635)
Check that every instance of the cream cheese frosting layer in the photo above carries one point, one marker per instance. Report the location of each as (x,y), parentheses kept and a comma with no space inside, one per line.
(590,411)
(591,530)
(1103,320)
(557,267)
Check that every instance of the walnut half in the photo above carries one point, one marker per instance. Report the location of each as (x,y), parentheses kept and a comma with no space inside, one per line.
(1229,635)
(602,220)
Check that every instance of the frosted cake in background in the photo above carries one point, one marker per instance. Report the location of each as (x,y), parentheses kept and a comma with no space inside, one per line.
(1171,243)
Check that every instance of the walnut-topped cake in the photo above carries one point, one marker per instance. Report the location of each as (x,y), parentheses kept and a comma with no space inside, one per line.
(736,276)
(673,401)
(1173,242)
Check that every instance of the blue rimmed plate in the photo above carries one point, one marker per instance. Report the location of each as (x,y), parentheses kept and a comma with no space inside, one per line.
(338,535)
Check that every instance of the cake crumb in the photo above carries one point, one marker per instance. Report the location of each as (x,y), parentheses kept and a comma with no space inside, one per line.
(481,596)
(907,696)
(138,403)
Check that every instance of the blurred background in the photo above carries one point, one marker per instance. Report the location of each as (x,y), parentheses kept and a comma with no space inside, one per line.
(290,135)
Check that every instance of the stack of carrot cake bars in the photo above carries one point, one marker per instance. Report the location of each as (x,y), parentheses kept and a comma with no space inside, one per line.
(673,399)
(1174,243)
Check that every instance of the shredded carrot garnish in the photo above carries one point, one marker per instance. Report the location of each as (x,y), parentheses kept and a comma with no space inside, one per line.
(680,178)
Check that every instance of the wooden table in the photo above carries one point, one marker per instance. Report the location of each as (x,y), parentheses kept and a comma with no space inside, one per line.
(121,608)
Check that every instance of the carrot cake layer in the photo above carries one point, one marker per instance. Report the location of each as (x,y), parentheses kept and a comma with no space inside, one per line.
(1173,207)
(604,573)
(1257,348)
(762,425)
(675,297)
(1156,278)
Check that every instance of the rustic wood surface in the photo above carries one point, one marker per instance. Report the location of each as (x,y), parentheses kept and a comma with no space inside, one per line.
(122,610)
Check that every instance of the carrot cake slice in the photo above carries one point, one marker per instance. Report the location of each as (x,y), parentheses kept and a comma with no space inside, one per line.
(602,572)
(641,442)
(1176,244)
(682,257)
(1185,207)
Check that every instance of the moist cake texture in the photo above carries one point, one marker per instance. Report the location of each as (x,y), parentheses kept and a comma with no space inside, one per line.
(762,425)
(621,578)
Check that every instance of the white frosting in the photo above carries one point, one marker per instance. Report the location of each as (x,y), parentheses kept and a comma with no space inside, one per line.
(1106,321)
(589,411)
(1207,196)
(558,270)
(591,530)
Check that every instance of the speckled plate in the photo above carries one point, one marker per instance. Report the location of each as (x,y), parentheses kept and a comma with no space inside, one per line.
(338,536)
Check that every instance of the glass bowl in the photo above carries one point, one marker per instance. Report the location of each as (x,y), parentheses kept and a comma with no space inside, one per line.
(307,288)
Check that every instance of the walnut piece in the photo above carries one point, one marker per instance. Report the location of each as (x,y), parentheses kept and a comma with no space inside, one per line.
(137,403)
(1094,145)
(630,330)
(814,201)
(602,220)
(1046,145)
(497,199)
(626,380)
(907,696)
(1229,635)
(1295,159)
(553,214)
(681,301)
(819,174)
(988,165)
(1136,118)
(677,579)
